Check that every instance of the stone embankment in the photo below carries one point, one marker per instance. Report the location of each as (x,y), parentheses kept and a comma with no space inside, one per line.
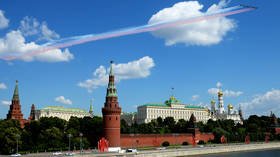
(188,151)
(182,151)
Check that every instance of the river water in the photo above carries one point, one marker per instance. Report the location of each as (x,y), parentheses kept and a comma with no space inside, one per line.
(258,153)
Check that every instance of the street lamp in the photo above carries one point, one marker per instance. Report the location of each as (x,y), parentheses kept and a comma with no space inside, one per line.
(81,143)
(69,136)
(17,138)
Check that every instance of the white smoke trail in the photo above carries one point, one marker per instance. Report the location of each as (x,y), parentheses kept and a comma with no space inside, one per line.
(76,40)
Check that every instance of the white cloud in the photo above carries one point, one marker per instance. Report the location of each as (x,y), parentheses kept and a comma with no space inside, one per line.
(100,78)
(5,102)
(230,93)
(47,33)
(63,100)
(4,22)
(227,93)
(264,103)
(213,91)
(195,97)
(207,32)
(3,86)
(30,26)
(134,69)
(219,84)
(14,43)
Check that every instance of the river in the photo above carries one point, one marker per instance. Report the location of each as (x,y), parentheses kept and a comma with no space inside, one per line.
(258,153)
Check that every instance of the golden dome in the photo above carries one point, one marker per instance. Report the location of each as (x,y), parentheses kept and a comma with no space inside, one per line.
(230,106)
(220,93)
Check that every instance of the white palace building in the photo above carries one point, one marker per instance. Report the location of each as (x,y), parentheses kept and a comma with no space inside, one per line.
(171,108)
(62,113)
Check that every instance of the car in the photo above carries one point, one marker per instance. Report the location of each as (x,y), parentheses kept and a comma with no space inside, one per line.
(17,154)
(57,153)
(131,150)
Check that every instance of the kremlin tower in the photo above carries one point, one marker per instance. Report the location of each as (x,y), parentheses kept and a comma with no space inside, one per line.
(15,108)
(111,113)
(32,113)
(90,109)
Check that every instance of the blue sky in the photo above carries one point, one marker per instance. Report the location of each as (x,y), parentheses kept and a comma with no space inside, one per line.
(245,60)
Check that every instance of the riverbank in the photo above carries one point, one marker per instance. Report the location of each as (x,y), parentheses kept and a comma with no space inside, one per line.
(179,151)
(189,151)
(212,150)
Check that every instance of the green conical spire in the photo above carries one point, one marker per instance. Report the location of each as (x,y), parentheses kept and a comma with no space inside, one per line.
(111,69)
(90,108)
(16,96)
(111,89)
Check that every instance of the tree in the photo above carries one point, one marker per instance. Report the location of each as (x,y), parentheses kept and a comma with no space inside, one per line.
(53,138)
(9,142)
(9,134)
(124,127)
(30,136)
(218,133)
(49,122)
(169,124)
(181,126)
(160,122)
(92,129)
(74,123)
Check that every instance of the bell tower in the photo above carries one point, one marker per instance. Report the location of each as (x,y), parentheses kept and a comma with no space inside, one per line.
(111,113)
(221,102)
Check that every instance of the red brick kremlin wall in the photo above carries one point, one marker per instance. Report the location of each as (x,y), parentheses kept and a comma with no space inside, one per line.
(277,130)
(143,140)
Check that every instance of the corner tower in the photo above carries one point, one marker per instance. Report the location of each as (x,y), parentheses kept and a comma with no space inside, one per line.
(111,113)
(15,108)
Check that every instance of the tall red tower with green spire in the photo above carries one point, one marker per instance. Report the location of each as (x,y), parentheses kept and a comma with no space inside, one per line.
(15,108)
(111,113)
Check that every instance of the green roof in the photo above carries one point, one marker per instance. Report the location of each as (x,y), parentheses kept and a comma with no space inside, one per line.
(61,108)
(194,106)
(173,101)
(164,105)
(156,104)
